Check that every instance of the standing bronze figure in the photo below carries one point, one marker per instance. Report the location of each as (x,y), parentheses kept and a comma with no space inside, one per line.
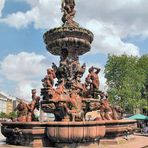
(68,8)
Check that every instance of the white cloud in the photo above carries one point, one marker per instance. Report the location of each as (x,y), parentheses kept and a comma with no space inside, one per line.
(107,40)
(129,16)
(23,89)
(112,21)
(23,66)
(2,3)
(1,81)
(42,15)
(26,70)
(32,2)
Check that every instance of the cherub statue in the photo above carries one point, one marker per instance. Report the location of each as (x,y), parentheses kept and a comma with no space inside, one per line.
(93,78)
(68,2)
(48,81)
(80,72)
(35,100)
(22,110)
(33,105)
(105,109)
(68,8)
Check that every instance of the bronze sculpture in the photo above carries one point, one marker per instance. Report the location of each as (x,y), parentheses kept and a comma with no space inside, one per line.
(25,111)
(92,79)
(69,99)
(69,95)
(68,8)
(22,111)
(48,81)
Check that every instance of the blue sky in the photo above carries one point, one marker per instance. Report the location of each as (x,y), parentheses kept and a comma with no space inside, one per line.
(119,28)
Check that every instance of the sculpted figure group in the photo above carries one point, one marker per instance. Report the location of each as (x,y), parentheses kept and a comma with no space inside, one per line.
(68,97)
(107,111)
(25,111)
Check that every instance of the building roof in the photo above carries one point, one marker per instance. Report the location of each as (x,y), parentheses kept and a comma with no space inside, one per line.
(3,97)
(6,96)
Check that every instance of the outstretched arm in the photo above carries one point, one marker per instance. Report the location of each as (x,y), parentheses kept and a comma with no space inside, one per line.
(97,70)
(62,5)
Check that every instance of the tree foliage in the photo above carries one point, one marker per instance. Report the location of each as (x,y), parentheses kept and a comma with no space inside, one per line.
(12,115)
(8,116)
(127,80)
(143,64)
(3,115)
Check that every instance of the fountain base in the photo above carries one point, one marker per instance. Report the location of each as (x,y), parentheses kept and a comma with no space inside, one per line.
(62,134)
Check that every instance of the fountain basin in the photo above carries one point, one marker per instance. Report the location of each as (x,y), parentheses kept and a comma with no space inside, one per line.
(48,134)
(45,134)
(79,132)
(116,128)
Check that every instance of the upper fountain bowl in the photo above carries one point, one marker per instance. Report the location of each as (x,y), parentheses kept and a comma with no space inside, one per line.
(72,38)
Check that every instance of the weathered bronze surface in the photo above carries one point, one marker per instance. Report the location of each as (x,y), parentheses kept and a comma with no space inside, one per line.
(25,111)
(82,111)
(50,134)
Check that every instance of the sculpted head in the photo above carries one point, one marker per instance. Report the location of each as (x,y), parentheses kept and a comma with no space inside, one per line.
(33,91)
(49,71)
(91,69)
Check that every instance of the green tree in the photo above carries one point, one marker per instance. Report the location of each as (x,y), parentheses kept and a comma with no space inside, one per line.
(3,115)
(143,65)
(12,115)
(125,81)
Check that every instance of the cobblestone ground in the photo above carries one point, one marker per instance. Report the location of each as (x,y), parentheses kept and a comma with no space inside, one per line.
(140,141)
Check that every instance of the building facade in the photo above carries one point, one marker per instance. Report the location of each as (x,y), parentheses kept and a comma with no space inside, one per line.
(6,103)
(9,103)
(9,106)
(3,103)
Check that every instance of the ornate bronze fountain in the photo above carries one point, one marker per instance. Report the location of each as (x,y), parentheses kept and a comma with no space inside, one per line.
(69,99)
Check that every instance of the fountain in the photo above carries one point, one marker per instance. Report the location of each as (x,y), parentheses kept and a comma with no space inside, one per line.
(70,100)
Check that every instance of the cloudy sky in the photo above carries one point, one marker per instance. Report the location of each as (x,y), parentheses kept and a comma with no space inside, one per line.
(120,27)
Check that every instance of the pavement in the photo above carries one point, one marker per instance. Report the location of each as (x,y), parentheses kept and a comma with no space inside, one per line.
(139,141)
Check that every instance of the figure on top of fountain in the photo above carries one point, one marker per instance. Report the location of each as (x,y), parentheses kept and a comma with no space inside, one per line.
(68,8)
(68,2)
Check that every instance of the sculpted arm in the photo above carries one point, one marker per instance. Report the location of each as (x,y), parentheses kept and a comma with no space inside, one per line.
(97,70)
(88,79)
(62,5)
